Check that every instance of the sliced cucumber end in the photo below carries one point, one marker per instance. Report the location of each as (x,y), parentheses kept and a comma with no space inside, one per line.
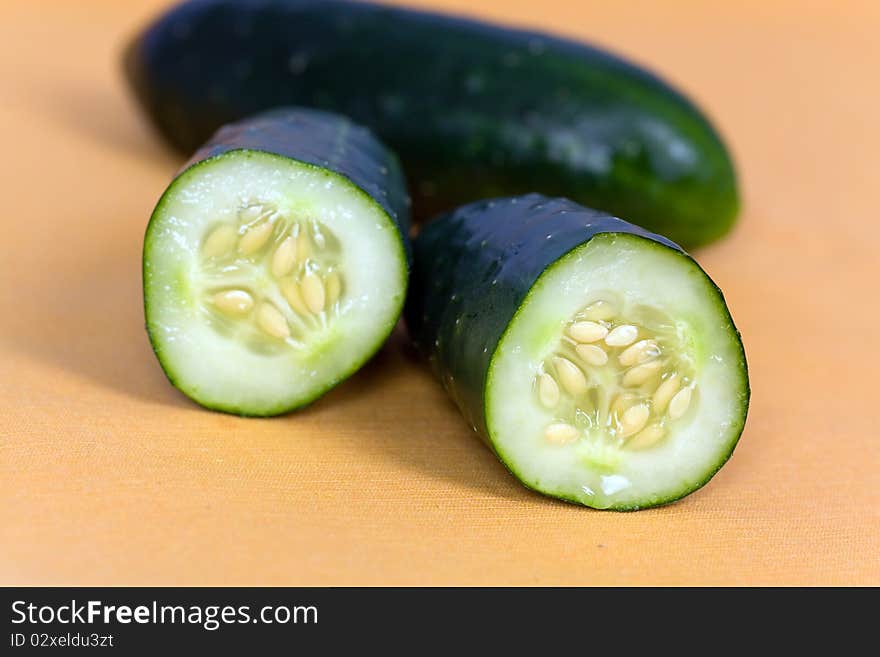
(621,381)
(267,281)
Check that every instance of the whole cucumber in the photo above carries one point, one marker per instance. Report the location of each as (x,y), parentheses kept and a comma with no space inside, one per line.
(473,110)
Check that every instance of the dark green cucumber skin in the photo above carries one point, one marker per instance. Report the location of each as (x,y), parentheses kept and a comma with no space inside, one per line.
(472,270)
(473,110)
(322,139)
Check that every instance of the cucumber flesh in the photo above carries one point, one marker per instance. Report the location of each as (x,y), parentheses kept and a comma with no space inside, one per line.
(625,374)
(610,374)
(268,279)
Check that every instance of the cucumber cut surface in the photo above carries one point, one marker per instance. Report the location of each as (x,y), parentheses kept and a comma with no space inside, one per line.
(598,361)
(270,272)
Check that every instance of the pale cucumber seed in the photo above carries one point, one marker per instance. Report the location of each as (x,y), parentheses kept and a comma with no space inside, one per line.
(234,302)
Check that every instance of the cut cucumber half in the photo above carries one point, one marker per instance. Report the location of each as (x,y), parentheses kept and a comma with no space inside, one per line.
(276,263)
(598,360)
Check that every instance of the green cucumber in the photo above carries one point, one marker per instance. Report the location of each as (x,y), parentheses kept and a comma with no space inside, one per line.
(473,110)
(276,263)
(596,359)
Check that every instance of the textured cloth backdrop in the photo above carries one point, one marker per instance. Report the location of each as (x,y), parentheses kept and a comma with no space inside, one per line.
(109,476)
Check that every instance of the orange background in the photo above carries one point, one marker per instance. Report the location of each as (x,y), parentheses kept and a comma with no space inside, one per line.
(110,476)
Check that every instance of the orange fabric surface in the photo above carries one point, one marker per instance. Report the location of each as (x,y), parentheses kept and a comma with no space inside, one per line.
(109,476)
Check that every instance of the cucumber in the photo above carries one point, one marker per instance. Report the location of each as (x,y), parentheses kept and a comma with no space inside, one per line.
(473,110)
(276,263)
(597,360)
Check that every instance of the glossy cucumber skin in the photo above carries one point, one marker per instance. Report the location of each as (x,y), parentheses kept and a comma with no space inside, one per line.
(472,270)
(473,110)
(327,141)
